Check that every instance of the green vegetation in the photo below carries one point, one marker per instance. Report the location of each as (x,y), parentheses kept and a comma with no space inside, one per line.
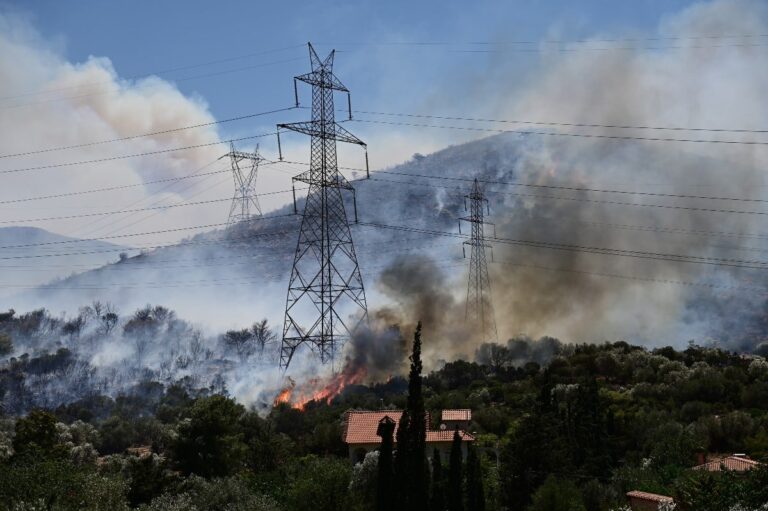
(574,431)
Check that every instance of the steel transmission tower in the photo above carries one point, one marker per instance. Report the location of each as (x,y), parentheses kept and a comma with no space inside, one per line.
(325,292)
(245,184)
(479,310)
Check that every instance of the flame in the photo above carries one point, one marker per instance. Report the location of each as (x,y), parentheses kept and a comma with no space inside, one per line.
(317,390)
(285,395)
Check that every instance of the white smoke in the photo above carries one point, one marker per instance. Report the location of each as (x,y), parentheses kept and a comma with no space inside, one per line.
(47,102)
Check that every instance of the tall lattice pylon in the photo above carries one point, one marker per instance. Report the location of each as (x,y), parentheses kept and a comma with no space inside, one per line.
(245,184)
(326,298)
(479,310)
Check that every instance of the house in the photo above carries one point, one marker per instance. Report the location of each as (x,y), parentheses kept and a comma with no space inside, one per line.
(735,463)
(453,419)
(361,427)
(644,501)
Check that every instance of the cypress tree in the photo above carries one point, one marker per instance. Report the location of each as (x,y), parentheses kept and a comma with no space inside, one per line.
(401,462)
(385,497)
(455,478)
(417,431)
(475,495)
(437,498)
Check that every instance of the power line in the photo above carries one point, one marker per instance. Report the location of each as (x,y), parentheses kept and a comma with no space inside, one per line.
(633,277)
(154,73)
(150,134)
(594,201)
(747,264)
(206,75)
(560,134)
(134,155)
(575,188)
(278,277)
(94,224)
(102,213)
(172,245)
(615,48)
(112,188)
(563,124)
(138,265)
(570,188)
(545,41)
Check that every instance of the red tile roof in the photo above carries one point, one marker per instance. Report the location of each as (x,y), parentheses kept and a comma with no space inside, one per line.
(457,415)
(447,436)
(650,497)
(735,463)
(360,428)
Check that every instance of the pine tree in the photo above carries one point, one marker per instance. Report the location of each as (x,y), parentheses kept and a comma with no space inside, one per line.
(385,490)
(437,498)
(475,495)
(455,478)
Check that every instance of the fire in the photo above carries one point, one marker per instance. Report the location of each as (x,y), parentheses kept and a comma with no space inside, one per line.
(318,390)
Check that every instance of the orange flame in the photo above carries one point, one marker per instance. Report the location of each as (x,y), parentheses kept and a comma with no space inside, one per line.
(316,390)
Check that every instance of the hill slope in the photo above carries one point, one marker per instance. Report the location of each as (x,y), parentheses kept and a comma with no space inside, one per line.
(554,279)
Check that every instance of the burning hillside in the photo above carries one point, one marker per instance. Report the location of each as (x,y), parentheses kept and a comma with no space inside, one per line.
(319,389)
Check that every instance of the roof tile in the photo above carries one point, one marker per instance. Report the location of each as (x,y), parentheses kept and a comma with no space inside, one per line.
(651,497)
(457,415)
(361,426)
(735,463)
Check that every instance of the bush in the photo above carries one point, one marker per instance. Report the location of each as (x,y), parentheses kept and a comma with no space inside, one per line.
(318,484)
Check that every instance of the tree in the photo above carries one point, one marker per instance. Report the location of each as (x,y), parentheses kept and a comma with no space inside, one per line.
(318,484)
(437,498)
(385,487)
(411,464)
(455,476)
(240,342)
(417,428)
(74,326)
(37,436)
(210,443)
(401,462)
(475,495)
(557,495)
(6,345)
(262,335)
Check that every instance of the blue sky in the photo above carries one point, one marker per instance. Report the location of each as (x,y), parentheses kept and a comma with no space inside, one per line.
(149,36)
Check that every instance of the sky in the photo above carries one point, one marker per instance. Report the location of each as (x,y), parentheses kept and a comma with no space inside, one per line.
(147,37)
(76,72)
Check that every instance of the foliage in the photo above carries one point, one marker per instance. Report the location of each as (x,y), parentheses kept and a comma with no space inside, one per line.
(475,494)
(455,477)
(557,495)
(210,442)
(198,494)
(554,424)
(317,484)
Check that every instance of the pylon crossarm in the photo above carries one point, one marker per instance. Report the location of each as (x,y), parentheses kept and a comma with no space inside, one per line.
(323,130)
(324,79)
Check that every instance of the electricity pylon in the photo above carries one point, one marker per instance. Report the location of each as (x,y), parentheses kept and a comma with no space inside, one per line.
(325,292)
(479,311)
(245,184)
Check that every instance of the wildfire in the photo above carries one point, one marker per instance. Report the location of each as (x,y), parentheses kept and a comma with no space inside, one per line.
(317,389)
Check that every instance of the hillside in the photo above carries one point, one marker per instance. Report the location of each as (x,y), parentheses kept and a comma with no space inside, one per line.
(27,254)
(574,273)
